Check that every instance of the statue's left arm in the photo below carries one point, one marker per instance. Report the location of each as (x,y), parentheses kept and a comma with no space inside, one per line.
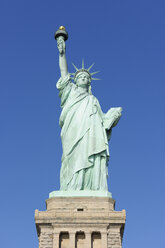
(110,119)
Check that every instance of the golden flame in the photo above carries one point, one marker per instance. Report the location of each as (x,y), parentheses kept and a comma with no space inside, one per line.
(61,28)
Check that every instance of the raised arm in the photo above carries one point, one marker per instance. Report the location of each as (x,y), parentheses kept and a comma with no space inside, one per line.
(62,57)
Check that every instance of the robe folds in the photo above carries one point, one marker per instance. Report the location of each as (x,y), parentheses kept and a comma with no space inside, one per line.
(85,131)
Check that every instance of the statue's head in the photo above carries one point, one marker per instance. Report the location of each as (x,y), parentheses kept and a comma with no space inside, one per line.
(83,78)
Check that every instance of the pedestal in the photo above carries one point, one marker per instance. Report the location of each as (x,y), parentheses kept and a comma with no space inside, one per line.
(80,222)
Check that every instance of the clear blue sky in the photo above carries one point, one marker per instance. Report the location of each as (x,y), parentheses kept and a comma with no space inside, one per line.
(126,40)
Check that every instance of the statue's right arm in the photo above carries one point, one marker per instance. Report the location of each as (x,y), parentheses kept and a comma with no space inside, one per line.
(62,57)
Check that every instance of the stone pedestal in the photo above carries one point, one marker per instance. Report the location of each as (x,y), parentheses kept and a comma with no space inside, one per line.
(80,222)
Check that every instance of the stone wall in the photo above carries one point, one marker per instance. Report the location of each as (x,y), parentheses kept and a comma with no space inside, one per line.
(46,237)
(80,223)
(114,239)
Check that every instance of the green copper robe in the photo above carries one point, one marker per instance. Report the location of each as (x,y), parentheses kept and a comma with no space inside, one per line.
(85,131)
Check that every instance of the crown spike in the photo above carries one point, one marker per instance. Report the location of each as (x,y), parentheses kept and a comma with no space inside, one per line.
(75,67)
(74,75)
(95,72)
(90,67)
(82,63)
(95,78)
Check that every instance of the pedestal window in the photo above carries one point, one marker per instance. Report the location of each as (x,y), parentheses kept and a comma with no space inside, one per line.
(96,240)
(64,240)
(80,240)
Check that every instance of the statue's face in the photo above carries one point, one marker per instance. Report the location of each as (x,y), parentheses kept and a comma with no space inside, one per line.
(83,80)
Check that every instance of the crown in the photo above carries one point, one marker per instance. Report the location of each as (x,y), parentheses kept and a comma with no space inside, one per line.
(84,70)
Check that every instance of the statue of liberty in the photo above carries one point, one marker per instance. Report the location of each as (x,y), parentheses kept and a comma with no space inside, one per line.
(85,129)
